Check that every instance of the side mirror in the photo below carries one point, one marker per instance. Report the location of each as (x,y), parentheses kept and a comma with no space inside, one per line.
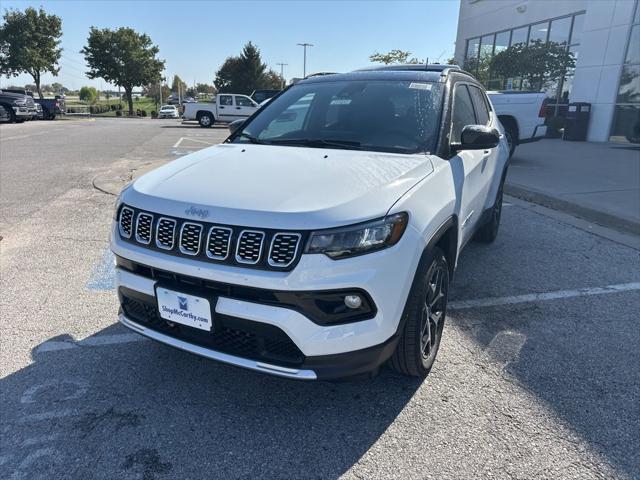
(235,125)
(477,137)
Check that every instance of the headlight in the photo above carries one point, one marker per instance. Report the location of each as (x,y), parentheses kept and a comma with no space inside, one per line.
(20,102)
(358,239)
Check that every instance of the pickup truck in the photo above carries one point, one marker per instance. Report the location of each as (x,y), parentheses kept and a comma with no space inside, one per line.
(522,115)
(226,108)
(16,107)
(51,106)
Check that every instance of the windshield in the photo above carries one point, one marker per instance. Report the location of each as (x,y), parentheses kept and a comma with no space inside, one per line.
(376,115)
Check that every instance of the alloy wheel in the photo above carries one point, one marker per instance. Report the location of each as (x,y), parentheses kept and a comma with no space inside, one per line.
(434,310)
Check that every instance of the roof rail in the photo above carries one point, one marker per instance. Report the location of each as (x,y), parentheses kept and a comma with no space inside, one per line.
(320,74)
(424,67)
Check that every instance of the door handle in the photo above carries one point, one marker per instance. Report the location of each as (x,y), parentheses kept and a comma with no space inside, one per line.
(222,107)
(237,108)
(486,153)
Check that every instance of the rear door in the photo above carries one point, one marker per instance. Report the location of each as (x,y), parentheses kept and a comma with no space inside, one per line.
(225,108)
(467,165)
(244,106)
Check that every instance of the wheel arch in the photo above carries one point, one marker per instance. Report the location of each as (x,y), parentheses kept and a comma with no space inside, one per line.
(446,238)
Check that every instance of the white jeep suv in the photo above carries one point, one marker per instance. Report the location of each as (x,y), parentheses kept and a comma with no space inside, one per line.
(319,239)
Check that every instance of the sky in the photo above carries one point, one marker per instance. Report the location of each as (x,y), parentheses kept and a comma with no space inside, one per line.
(195,37)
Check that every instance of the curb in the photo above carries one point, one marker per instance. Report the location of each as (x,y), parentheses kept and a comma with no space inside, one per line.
(601,218)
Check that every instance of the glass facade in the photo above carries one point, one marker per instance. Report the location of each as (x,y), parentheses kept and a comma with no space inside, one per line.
(626,119)
(480,50)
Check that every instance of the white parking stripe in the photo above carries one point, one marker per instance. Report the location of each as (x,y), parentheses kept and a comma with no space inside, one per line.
(536,297)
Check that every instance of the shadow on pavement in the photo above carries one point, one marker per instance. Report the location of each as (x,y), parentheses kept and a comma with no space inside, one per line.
(184,417)
(579,356)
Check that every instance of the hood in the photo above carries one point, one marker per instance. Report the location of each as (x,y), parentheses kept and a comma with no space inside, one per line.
(278,186)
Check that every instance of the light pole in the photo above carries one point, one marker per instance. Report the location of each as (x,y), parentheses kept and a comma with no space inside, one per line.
(282,65)
(305,45)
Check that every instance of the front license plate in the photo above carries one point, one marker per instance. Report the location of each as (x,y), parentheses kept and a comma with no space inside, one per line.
(184,309)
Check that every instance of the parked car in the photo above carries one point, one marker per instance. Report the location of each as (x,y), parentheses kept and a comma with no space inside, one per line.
(33,112)
(522,114)
(317,242)
(226,107)
(52,107)
(168,111)
(260,96)
(15,107)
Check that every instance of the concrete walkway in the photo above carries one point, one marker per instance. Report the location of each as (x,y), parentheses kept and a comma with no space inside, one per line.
(596,181)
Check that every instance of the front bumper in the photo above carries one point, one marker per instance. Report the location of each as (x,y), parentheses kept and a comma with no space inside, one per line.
(327,351)
(22,112)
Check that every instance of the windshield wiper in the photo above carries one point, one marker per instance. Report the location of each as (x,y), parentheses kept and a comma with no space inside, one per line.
(319,143)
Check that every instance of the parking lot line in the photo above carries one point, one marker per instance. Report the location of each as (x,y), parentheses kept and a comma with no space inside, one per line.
(537,297)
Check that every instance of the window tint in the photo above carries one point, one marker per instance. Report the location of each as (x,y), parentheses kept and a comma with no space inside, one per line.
(480,105)
(225,100)
(462,112)
(291,119)
(243,102)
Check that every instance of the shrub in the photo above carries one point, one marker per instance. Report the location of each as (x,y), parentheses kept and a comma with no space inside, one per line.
(119,113)
(154,114)
(143,113)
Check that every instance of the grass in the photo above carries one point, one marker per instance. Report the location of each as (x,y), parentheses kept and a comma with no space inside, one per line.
(141,103)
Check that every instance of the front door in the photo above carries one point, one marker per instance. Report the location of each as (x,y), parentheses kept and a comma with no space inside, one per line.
(244,106)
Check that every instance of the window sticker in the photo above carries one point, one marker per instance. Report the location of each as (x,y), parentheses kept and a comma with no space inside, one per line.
(420,86)
(341,101)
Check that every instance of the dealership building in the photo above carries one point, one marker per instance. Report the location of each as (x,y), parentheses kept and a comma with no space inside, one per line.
(604,36)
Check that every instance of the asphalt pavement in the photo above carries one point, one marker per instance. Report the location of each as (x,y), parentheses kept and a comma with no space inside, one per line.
(537,376)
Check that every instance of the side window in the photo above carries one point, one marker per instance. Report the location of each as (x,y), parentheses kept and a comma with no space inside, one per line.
(225,100)
(462,113)
(243,102)
(480,105)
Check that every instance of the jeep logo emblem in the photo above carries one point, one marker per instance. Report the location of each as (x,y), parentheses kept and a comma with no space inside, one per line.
(197,212)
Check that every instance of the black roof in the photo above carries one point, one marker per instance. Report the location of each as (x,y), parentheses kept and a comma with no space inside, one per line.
(409,72)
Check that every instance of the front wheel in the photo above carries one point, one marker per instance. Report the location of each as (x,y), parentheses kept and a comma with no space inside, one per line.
(206,120)
(423,317)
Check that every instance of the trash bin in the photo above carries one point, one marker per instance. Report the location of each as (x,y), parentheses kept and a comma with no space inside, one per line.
(577,121)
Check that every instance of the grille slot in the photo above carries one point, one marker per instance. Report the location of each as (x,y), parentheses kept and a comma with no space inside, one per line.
(126,222)
(165,233)
(190,234)
(218,242)
(143,228)
(284,247)
(249,247)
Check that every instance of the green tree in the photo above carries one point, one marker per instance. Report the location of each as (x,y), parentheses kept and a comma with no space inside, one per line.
(178,86)
(58,88)
(88,95)
(153,91)
(122,57)
(538,63)
(246,73)
(394,56)
(205,88)
(30,43)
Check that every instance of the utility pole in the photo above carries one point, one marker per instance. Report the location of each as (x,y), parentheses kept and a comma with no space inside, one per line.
(282,65)
(305,45)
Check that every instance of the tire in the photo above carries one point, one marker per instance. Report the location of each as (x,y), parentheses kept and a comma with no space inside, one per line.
(415,354)
(11,116)
(489,231)
(511,136)
(206,120)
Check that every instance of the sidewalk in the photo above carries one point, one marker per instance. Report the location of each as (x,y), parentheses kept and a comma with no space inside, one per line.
(597,181)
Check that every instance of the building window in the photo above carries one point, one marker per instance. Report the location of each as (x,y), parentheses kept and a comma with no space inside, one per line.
(626,118)
(565,30)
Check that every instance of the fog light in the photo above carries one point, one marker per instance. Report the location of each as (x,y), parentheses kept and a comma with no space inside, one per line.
(353,301)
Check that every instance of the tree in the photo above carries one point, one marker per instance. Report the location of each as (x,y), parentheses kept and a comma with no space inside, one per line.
(538,63)
(394,56)
(30,43)
(88,95)
(178,86)
(205,88)
(122,57)
(246,73)
(58,88)
(153,91)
